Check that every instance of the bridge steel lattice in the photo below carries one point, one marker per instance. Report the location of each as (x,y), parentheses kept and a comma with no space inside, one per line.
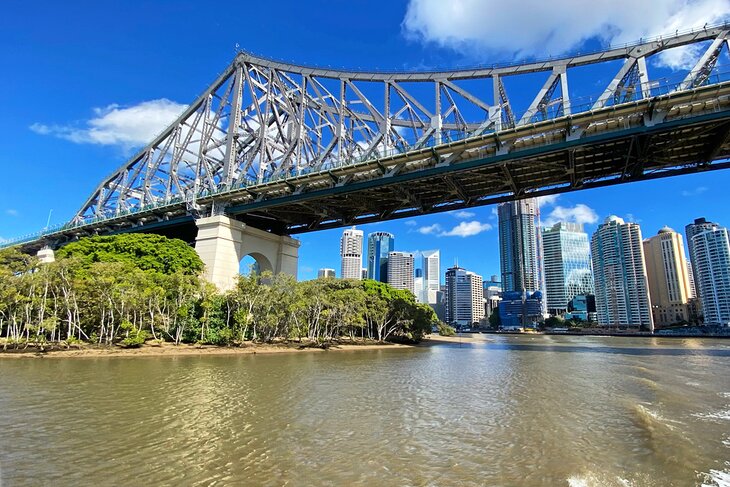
(291,149)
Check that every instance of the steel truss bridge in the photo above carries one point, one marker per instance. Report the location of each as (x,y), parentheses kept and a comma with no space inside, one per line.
(292,149)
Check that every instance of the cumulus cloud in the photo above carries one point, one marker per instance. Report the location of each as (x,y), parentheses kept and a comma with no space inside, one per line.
(538,28)
(430,229)
(694,192)
(684,57)
(411,223)
(130,126)
(467,229)
(463,215)
(546,200)
(579,213)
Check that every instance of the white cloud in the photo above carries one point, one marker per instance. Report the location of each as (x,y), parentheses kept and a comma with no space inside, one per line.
(411,223)
(539,28)
(579,213)
(694,192)
(547,200)
(467,229)
(129,126)
(684,57)
(11,212)
(463,215)
(430,229)
(631,218)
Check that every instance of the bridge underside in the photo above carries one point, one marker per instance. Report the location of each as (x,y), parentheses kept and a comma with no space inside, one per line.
(636,154)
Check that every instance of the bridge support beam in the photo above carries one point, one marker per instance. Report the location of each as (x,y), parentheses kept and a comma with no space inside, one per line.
(223,242)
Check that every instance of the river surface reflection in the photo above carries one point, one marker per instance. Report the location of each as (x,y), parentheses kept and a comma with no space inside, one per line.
(506,411)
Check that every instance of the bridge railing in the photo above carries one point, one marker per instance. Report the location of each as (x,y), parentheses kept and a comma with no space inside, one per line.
(655,88)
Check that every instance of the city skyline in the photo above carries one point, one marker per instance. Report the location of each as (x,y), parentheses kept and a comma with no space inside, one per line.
(87,125)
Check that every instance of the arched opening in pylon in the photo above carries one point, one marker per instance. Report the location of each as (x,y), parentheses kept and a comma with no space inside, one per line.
(254,262)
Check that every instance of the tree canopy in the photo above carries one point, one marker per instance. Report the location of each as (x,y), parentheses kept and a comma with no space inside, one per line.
(142,250)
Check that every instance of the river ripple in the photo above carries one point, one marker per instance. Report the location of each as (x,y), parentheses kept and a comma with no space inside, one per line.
(508,411)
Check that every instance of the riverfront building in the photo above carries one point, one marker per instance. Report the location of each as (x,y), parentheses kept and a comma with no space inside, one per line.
(712,263)
(520,249)
(666,272)
(622,292)
(351,254)
(464,297)
(519,309)
(380,244)
(492,295)
(695,228)
(431,267)
(325,273)
(400,270)
(567,259)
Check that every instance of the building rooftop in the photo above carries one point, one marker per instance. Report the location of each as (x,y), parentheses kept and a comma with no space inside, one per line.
(614,218)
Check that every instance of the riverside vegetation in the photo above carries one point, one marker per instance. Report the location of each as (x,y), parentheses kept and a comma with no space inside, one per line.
(129,289)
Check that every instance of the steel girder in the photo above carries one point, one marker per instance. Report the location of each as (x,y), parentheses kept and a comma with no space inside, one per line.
(264,120)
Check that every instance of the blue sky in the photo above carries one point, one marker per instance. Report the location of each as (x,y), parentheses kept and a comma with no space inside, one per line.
(76,74)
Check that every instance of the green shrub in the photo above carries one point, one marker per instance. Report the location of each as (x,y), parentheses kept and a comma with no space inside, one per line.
(446,330)
(135,340)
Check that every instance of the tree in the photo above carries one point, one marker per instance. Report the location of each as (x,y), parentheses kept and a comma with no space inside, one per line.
(494,320)
(143,251)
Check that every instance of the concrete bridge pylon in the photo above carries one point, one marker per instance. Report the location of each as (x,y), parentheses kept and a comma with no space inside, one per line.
(223,242)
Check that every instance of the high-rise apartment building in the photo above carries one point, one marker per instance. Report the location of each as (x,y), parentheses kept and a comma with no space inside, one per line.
(380,244)
(400,270)
(325,273)
(567,261)
(520,249)
(464,297)
(351,254)
(666,272)
(712,263)
(695,228)
(622,292)
(691,276)
(431,266)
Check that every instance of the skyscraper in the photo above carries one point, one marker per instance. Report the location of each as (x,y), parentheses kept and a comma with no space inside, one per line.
(380,244)
(351,253)
(622,293)
(712,263)
(666,272)
(464,297)
(520,249)
(698,226)
(567,259)
(431,266)
(400,270)
(418,285)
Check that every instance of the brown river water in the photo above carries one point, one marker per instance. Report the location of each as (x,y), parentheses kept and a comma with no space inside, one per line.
(505,411)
